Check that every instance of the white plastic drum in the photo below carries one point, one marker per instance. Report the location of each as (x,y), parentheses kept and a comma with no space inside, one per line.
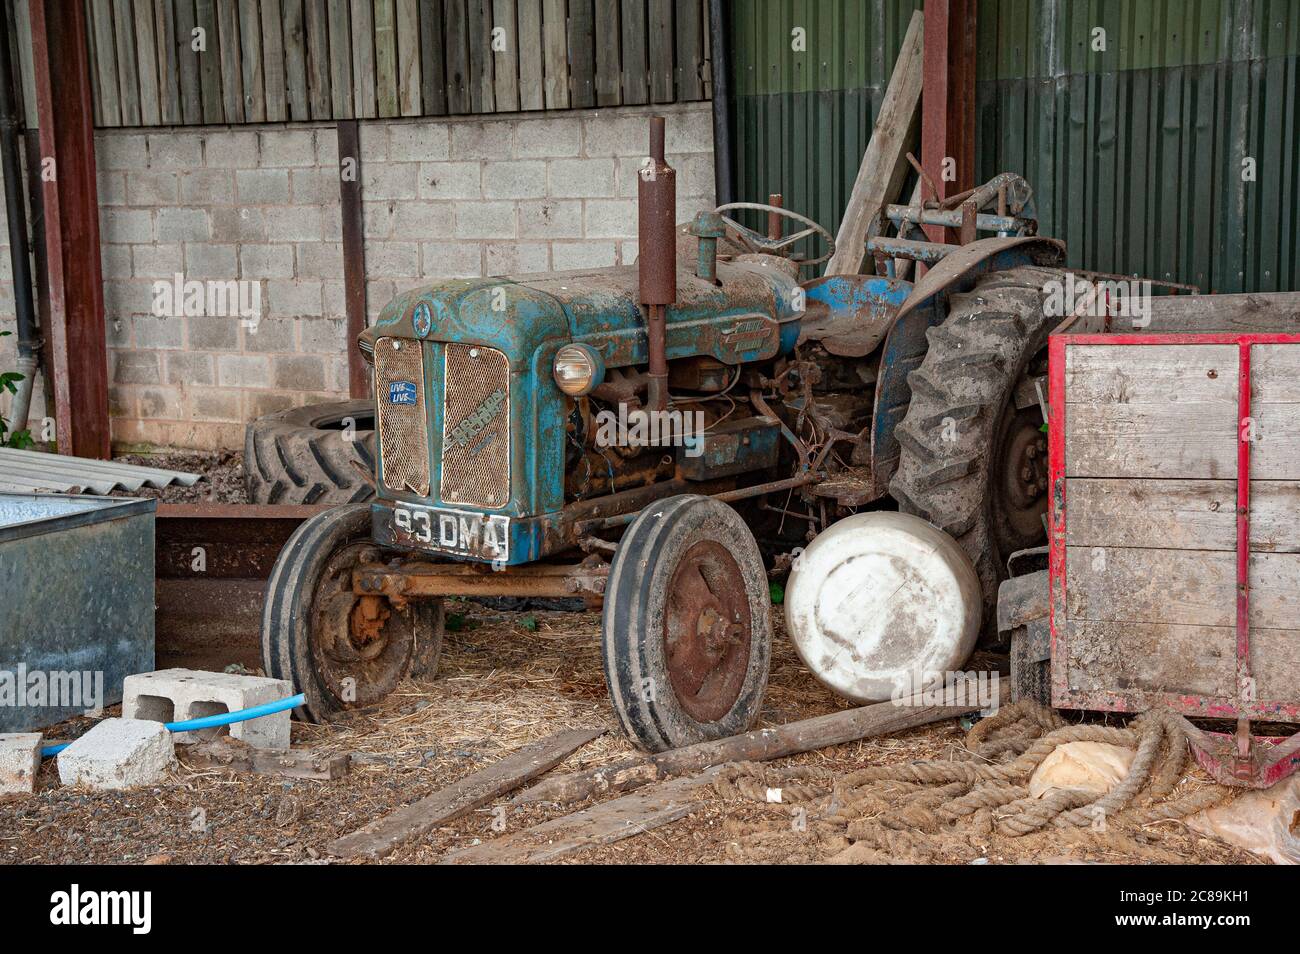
(880,603)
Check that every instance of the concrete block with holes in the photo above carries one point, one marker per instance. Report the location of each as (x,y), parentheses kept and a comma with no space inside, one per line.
(20,759)
(175,695)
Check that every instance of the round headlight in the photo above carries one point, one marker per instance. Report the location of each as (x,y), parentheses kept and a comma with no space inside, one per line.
(578,369)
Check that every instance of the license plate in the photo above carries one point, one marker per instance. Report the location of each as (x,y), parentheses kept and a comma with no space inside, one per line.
(456,532)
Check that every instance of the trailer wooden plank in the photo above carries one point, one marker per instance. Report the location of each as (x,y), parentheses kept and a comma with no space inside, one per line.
(505,56)
(555,51)
(532,87)
(1193,440)
(381,836)
(329,38)
(1151,374)
(602,824)
(636,74)
(1180,514)
(146,53)
(1151,657)
(408,57)
(295,58)
(275,79)
(170,110)
(362,36)
(884,164)
(252,74)
(385,21)
(433,59)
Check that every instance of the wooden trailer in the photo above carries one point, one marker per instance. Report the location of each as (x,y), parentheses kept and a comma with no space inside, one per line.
(1174,560)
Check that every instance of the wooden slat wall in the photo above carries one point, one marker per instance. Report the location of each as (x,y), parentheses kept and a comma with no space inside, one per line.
(187,62)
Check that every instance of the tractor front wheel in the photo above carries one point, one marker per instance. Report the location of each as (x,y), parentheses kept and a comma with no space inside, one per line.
(687,634)
(342,651)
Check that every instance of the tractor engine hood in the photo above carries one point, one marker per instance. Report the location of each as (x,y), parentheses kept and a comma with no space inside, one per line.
(748,317)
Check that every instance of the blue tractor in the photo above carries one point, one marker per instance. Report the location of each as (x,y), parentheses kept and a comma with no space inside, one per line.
(658,438)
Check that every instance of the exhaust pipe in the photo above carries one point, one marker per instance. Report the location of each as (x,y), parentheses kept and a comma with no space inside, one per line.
(657,247)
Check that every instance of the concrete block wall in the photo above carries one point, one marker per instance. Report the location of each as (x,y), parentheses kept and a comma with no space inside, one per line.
(443,198)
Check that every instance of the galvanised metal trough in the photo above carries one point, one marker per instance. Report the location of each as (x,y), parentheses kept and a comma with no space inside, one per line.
(76,604)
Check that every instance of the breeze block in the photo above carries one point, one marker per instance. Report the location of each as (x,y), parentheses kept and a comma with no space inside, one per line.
(175,695)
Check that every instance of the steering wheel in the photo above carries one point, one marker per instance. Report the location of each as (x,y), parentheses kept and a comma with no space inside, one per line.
(758,243)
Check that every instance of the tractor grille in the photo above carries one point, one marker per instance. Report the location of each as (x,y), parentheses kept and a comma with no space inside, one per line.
(403,429)
(476,427)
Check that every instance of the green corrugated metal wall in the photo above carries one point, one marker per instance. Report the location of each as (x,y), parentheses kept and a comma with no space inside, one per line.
(1135,152)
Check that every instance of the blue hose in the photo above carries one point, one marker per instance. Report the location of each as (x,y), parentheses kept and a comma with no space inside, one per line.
(210,722)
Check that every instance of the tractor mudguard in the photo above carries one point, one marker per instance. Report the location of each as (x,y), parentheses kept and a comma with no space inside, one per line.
(927,305)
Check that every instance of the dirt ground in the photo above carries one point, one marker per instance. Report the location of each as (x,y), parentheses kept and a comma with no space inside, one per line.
(508,679)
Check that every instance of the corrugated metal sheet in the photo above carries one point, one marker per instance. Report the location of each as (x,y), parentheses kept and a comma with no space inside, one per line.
(1134,151)
(24,471)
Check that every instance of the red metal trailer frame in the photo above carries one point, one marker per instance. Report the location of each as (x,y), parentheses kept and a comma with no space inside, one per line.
(1238,758)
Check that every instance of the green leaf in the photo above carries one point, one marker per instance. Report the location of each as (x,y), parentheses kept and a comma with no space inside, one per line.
(529,623)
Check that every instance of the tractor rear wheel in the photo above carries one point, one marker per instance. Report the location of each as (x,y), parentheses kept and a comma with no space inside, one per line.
(311,455)
(340,650)
(970,462)
(686,635)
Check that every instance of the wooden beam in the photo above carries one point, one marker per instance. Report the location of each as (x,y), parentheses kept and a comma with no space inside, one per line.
(78,345)
(757,746)
(384,834)
(884,165)
(948,101)
(604,824)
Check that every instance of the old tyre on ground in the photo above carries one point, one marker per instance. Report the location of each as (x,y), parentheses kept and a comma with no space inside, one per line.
(687,633)
(340,650)
(970,462)
(310,455)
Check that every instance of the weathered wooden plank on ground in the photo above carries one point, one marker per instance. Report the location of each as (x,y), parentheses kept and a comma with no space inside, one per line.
(884,165)
(756,746)
(601,824)
(384,834)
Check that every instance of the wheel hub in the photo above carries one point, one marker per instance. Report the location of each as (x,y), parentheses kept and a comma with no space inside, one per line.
(707,631)
(1020,483)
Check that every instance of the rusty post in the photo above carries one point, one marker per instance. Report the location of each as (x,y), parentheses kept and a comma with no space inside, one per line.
(77,337)
(775,221)
(354,254)
(948,100)
(657,245)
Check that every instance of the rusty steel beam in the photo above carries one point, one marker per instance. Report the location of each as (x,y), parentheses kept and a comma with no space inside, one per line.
(948,100)
(77,339)
(414,580)
(354,254)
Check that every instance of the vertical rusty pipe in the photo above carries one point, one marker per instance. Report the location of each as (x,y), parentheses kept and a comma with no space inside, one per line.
(657,247)
(774,222)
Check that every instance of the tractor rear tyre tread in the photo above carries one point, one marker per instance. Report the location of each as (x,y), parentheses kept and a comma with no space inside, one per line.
(968,376)
(303,455)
